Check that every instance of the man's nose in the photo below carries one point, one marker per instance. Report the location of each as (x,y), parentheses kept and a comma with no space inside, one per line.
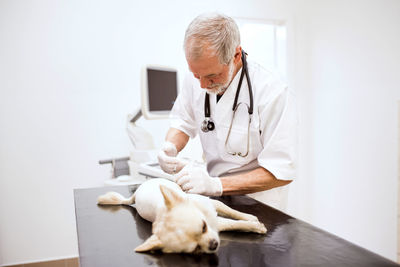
(204,82)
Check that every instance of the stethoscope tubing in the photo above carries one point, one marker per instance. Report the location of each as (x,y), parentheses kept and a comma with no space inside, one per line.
(205,126)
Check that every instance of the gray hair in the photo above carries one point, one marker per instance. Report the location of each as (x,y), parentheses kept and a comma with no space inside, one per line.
(216,32)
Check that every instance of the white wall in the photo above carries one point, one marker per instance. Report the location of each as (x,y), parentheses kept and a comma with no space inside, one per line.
(348,92)
(69,74)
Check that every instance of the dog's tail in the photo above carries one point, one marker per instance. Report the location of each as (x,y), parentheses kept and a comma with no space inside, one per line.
(114,198)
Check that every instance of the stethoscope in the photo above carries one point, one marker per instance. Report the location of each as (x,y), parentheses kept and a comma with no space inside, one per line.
(209,125)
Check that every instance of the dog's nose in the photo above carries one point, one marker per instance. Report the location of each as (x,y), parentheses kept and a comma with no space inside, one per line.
(213,244)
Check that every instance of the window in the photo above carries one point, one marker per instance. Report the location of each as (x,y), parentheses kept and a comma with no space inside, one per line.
(265,42)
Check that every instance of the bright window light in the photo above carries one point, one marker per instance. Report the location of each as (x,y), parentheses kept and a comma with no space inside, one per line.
(265,42)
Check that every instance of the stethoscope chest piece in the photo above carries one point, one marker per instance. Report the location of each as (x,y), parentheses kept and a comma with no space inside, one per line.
(207,125)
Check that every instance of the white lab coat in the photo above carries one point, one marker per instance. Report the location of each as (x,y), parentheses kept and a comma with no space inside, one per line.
(273,128)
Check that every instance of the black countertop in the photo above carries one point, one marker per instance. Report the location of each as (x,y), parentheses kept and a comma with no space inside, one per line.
(107,236)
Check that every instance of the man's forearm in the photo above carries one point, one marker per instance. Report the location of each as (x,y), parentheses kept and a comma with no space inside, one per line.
(177,137)
(253,181)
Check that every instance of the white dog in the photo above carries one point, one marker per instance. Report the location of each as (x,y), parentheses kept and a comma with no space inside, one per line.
(182,222)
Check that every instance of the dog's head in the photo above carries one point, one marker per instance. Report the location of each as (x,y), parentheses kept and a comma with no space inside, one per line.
(182,226)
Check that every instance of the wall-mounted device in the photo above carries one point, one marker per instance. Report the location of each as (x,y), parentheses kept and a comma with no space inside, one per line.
(159,91)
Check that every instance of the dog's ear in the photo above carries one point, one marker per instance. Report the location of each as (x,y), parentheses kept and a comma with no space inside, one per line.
(171,197)
(152,243)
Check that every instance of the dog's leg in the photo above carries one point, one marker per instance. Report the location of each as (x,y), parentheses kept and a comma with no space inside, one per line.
(228,212)
(225,224)
(114,198)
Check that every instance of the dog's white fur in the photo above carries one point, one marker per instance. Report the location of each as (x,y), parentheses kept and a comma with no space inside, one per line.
(182,222)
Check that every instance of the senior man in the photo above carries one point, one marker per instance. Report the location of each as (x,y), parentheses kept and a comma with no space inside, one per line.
(245,116)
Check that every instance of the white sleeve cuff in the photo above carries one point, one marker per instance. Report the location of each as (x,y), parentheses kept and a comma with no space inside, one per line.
(184,127)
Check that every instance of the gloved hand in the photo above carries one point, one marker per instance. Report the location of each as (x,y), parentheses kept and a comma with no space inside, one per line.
(168,160)
(196,180)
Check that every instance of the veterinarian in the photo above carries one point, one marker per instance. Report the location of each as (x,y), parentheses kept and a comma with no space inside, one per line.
(245,116)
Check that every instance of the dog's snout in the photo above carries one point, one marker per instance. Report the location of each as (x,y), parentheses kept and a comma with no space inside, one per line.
(213,244)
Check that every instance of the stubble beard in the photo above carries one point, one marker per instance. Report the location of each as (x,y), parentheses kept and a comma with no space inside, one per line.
(218,88)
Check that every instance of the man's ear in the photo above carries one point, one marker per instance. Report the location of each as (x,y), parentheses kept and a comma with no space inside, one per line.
(238,54)
(152,243)
(171,197)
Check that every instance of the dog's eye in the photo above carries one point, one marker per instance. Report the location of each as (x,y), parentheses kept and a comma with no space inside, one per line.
(204,227)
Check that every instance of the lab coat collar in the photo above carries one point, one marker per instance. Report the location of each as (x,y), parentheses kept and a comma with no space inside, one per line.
(226,102)
(231,90)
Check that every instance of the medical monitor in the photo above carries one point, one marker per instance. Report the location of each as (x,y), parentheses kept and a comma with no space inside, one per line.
(159,91)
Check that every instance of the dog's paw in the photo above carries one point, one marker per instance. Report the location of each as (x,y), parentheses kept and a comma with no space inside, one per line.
(259,228)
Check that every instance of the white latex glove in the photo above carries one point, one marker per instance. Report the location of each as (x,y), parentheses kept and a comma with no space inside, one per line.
(168,160)
(196,180)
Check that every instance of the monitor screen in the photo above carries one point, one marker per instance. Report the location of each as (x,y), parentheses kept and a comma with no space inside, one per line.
(159,91)
(162,89)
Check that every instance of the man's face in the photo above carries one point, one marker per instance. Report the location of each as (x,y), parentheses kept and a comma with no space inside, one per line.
(212,75)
